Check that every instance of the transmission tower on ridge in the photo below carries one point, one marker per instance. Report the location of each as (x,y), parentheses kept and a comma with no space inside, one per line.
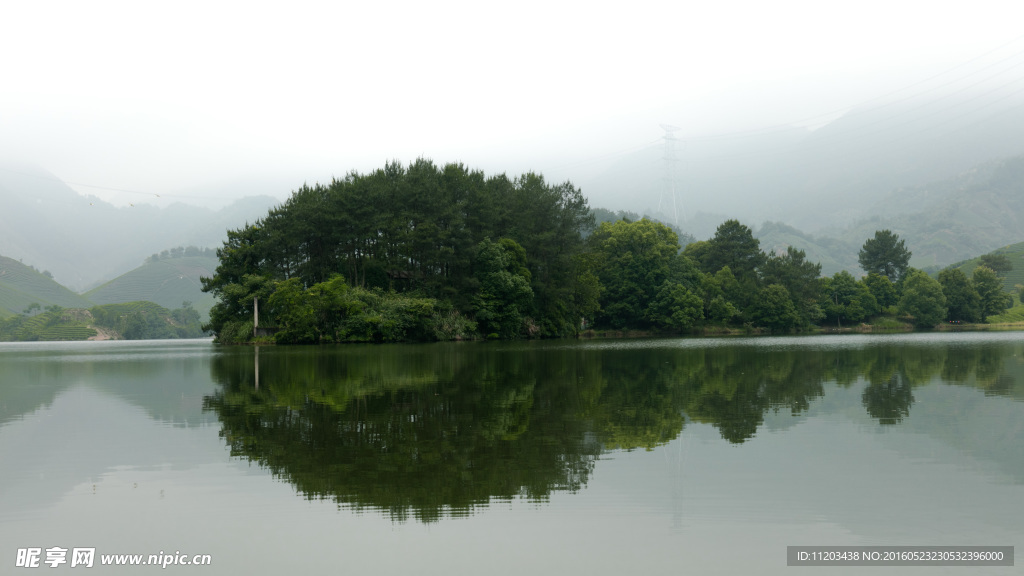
(671,173)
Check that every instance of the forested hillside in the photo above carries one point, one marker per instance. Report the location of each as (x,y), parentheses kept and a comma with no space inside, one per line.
(35,307)
(22,285)
(127,321)
(168,279)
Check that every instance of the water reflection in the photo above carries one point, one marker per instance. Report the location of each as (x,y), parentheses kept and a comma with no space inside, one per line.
(436,430)
(420,430)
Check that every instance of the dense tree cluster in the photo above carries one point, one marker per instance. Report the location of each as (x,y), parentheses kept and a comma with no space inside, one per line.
(426,252)
(502,250)
(647,282)
(182,252)
(128,321)
(973,299)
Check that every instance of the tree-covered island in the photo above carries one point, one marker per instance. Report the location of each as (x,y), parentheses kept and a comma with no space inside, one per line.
(445,253)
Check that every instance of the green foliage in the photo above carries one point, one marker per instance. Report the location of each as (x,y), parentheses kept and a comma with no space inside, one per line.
(675,307)
(605,215)
(331,311)
(236,304)
(505,296)
(451,325)
(718,309)
(998,263)
(293,313)
(148,320)
(885,254)
(800,279)
(990,292)
(922,299)
(587,293)
(733,245)
(843,299)
(55,323)
(387,317)
(130,321)
(775,309)
(425,243)
(962,299)
(882,288)
(633,261)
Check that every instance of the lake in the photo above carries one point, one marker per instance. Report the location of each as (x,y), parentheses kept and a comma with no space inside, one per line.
(649,456)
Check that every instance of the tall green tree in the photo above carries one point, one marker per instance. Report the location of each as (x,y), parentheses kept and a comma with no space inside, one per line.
(844,300)
(505,295)
(882,288)
(962,300)
(801,280)
(998,263)
(717,291)
(633,261)
(885,254)
(990,291)
(775,309)
(733,245)
(922,299)
(675,307)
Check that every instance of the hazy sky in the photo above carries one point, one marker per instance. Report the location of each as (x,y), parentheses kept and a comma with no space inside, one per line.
(195,100)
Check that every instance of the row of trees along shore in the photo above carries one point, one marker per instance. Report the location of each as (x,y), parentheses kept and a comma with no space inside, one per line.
(444,253)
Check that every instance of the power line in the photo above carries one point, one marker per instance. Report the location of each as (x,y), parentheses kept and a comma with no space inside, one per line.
(97,187)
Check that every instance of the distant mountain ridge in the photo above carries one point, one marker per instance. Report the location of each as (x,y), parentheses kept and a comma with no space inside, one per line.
(943,222)
(822,180)
(168,282)
(84,241)
(957,218)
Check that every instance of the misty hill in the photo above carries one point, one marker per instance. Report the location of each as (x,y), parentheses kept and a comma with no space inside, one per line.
(83,241)
(951,220)
(954,219)
(1014,253)
(832,253)
(818,180)
(22,285)
(166,281)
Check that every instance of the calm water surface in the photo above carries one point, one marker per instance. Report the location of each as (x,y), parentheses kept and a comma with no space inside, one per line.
(668,456)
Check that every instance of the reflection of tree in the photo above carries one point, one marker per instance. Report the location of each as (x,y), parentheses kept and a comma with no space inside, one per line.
(736,386)
(377,430)
(442,429)
(888,401)
(641,402)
